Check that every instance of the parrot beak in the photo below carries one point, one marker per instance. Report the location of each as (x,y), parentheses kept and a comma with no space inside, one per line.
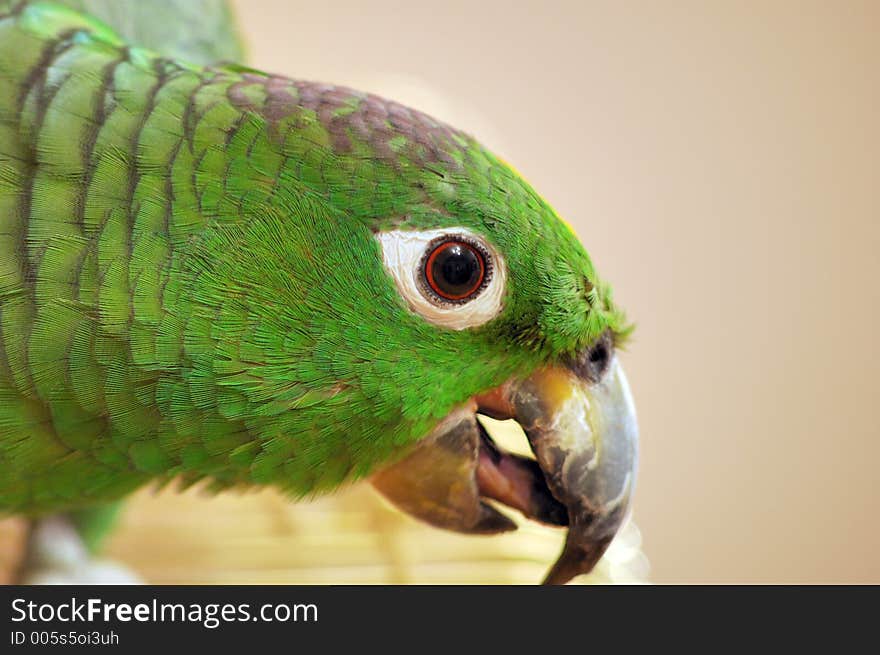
(580,421)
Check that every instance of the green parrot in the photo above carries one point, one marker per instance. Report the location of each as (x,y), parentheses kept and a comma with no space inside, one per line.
(213,274)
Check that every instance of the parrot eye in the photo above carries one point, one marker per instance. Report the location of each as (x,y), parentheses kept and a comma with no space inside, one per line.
(455,269)
(452,278)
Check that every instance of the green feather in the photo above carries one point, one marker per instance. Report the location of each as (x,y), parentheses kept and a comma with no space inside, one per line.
(190,283)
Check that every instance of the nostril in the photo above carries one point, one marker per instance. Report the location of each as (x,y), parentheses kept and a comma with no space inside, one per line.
(599,356)
(594,363)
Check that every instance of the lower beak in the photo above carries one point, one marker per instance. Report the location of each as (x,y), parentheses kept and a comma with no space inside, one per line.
(580,421)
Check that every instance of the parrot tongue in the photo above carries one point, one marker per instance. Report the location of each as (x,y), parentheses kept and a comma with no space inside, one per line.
(517,482)
(580,422)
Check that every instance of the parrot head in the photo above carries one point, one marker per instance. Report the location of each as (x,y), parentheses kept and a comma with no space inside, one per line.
(395,279)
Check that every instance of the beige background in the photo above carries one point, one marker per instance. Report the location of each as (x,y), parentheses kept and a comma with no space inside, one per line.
(720,162)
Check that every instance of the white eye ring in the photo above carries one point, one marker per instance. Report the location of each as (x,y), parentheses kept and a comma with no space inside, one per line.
(404,253)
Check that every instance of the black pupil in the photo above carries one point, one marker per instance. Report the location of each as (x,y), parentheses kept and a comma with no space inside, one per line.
(456,270)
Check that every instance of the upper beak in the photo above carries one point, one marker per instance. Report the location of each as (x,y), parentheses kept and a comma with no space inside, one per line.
(580,421)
